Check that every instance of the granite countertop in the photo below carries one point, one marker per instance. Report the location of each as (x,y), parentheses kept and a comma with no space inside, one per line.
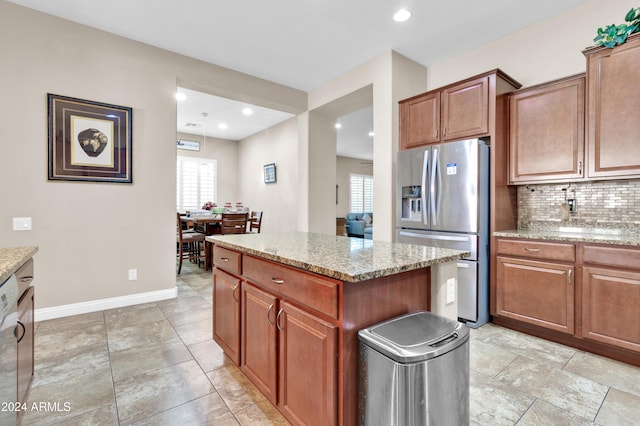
(343,258)
(576,235)
(13,258)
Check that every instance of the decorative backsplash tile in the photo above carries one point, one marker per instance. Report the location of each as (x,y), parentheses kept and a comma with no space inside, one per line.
(601,204)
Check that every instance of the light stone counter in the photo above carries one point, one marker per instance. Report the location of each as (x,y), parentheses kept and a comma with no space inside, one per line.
(12,258)
(576,235)
(353,259)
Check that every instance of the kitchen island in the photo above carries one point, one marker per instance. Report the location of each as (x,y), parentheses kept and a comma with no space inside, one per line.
(287,308)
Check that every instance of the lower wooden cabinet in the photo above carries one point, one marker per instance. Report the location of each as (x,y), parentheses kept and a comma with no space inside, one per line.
(594,309)
(226,313)
(307,395)
(611,296)
(290,355)
(259,339)
(540,293)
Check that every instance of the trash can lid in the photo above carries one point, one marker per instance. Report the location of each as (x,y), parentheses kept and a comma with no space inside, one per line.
(415,337)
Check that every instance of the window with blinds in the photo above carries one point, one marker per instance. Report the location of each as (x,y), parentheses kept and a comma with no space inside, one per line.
(361,193)
(196,182)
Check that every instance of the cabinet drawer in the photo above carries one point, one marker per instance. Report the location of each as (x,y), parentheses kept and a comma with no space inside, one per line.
(612,256)
(229,260)
(538,250)
(316,292)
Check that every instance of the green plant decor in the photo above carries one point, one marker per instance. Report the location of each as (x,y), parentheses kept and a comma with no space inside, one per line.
(613,35)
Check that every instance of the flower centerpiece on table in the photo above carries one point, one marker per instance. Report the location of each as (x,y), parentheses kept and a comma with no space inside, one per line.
(209,205)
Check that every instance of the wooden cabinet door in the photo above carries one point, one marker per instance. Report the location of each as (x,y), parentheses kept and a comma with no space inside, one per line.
(226,313)
(259,339)
(307,367)
(465,109)
(610,301)
(546,132)
(539,293)
(613,104)
(420,121)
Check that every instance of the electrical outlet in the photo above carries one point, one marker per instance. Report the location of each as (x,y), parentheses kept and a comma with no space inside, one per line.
(451,290)
(133,274)
(573,206)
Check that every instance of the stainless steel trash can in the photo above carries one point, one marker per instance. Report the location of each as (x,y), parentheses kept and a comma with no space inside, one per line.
(414,370)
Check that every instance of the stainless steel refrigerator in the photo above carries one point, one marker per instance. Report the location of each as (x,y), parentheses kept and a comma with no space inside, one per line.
(443,201)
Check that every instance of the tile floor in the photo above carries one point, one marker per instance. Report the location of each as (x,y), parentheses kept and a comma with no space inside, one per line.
(155,364)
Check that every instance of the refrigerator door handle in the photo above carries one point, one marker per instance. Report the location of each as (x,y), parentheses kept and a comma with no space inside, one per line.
(433,195)
(425,176)
(433,237)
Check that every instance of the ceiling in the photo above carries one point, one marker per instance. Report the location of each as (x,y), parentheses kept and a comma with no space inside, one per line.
(304,44)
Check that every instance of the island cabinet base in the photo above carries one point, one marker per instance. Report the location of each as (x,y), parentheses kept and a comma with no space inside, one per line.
(299,334)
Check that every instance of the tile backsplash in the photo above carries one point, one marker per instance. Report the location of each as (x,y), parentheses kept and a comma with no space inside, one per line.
(600,204)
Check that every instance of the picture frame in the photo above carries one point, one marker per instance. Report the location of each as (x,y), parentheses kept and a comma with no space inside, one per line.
(88,140)
(270,173)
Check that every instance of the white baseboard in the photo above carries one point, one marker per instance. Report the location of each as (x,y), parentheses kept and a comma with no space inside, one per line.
(103,304)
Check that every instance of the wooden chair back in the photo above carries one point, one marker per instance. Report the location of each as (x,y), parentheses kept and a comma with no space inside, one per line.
(234,223)
(256,224)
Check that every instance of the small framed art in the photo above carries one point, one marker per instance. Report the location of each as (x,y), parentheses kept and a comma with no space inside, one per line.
(89,141)
(270,173)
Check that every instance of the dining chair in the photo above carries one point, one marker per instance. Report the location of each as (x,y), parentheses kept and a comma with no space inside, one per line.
(254,225)
(189,246)
(234,223)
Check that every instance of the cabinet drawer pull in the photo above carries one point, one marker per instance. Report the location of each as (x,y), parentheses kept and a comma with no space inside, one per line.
(268,312)
(569,276)
(26,279)
(532,250)
(24,331)
(277,280)
(224,259)
(579,167)
(436,133)
(280,312)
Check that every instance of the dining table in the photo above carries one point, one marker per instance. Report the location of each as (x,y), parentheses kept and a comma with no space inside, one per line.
(210,224)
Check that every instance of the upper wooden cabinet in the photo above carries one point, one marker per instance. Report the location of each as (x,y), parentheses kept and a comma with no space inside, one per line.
(463,109)
(613,110)
(546,132)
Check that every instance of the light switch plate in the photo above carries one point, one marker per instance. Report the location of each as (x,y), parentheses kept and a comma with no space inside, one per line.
(133,274)
(22,224)
(451,290)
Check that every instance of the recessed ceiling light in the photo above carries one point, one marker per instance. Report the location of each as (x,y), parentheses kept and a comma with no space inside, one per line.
(402,15)
(222,126)
(180,96)
(338,126)
(371,133)
(247,111)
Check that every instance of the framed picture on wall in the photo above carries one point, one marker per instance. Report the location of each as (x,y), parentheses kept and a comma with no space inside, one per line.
(89,141)
(270,173)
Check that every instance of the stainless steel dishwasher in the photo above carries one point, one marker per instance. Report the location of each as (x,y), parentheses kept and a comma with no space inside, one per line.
(414,370)
(8,350)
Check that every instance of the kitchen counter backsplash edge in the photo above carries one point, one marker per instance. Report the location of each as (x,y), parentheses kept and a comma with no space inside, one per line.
(13,258)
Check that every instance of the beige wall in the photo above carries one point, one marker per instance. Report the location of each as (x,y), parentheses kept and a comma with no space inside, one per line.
(278,201)
(90,234)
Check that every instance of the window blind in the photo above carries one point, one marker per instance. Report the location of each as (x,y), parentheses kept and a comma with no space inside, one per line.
(361,193)
(196,182)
